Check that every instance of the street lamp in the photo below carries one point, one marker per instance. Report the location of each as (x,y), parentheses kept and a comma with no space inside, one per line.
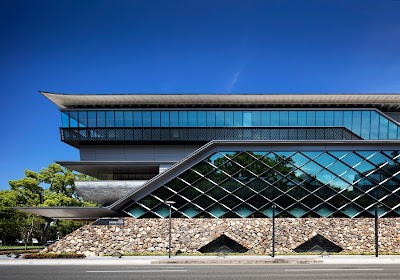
(376,229)
(169,203)
(273,230)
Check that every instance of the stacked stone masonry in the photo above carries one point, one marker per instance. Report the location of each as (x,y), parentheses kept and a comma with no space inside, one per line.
(188,235)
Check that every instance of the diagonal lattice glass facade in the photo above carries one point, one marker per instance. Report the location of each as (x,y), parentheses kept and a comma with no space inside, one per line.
(246,184)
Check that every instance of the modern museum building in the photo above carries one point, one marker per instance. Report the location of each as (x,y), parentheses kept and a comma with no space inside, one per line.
(321,167)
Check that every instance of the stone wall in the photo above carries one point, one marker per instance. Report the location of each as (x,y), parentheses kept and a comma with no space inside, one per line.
(188,235)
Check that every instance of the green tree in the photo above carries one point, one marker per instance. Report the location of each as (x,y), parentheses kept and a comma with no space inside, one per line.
(52,186)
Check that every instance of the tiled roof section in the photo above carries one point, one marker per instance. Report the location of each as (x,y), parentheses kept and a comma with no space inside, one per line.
(387,101)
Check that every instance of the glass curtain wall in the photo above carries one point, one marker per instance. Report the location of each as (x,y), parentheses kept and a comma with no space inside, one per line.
(368,124)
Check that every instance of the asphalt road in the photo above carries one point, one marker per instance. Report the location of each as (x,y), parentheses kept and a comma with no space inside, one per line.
(225,272)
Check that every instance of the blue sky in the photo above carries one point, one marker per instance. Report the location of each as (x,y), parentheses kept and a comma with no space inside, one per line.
(95,46)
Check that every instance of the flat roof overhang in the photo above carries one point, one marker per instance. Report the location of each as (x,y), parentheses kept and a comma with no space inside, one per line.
(72,213)
(93,168)
(379,100)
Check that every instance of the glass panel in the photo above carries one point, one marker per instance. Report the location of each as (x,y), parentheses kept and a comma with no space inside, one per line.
(328,118)
(149,201)
(292,118)
(82,119)
(374,125)
(192,118)
(325,193)
(210,118)
(155,118)
(137,119)
(266,118)
(366,124)
(163,193)
(204,185)
(283,118)
(146,119)
(247,118)
(218,175)
(92,119)
(101,119)
(119,118)
(325,159)
(202,119)
(338,168)
(348,119)
(165,118)
(128,118)
(238,118)
(244,210)
(274,118)
(298,210)
(338,118)
(256,118)
(162,210)
(302,118)
(383,128)
(189,176)
(257,201)
(190,193)
(203,201)
(136,210)
(218,159)
(173,119)
(229,118)
(310,118)
(220,118)
(299,160)
(65,120)
(217,210)
(257,185)
(183,118)
(190,210)
(231,185)
(320,118)
(244,193)
(392,131)
(324,210)
(110,122)
(217,193)
(230,201)
(351,210)
(73,121)
(269,211)
(357,122)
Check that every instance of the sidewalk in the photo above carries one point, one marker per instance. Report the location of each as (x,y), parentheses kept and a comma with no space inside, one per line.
(237,260)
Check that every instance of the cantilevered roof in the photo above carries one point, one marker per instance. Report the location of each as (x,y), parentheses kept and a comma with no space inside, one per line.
(379,100)
(94,168)
(72,213)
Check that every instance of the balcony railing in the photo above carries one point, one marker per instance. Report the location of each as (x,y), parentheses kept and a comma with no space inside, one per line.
(203,134)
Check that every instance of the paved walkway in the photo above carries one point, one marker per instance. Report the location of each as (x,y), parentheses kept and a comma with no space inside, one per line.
(147,260)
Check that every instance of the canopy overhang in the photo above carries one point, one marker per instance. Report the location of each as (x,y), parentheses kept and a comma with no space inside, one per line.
(379,100)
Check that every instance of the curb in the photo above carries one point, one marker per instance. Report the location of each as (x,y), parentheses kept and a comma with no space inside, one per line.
(238,261)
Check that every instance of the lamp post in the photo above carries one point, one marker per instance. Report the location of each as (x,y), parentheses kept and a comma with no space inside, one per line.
(376,230)
(169,203)
(273,231)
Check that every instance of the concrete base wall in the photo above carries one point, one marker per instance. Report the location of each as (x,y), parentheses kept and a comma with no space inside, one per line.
(188,235)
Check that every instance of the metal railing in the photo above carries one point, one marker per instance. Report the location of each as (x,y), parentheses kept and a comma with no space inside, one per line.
(204,134)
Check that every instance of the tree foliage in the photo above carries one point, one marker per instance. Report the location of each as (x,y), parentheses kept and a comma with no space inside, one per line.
(52,186)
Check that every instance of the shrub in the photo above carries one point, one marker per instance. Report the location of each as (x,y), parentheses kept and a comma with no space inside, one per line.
(54,256)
